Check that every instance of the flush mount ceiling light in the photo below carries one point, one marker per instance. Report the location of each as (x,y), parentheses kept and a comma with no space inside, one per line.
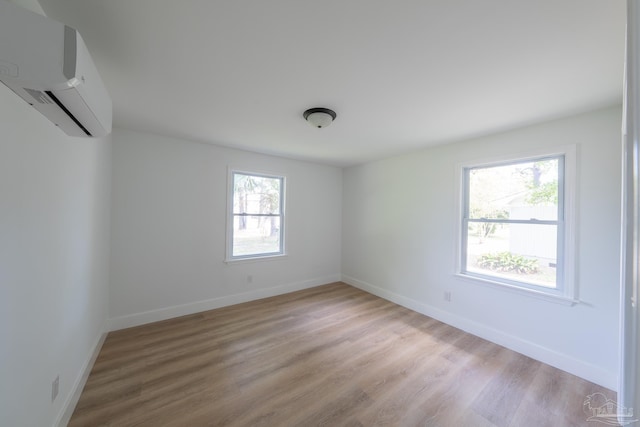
(319,117)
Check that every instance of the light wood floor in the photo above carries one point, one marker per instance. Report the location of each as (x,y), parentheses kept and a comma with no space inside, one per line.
(333,356)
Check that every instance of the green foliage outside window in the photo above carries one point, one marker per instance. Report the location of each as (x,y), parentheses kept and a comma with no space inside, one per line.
(508,262)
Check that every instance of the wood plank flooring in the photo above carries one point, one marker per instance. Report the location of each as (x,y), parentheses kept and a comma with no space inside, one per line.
(327,356)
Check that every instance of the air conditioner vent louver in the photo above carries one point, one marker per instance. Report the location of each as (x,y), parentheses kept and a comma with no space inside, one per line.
(68,113)
(38,96)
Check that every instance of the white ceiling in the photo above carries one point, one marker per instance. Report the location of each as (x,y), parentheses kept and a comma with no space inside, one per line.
(400,74)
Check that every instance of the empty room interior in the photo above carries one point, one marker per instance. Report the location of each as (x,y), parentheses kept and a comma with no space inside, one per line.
(291,213)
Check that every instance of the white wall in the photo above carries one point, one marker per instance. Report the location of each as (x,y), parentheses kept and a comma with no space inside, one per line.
(54,248)
(169,228)
(398,241)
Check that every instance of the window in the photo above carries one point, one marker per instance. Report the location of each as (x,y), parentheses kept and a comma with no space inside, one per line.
(256,216)
(515,218)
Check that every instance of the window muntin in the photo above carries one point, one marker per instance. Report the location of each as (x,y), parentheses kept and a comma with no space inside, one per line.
(513,223)
(257,215)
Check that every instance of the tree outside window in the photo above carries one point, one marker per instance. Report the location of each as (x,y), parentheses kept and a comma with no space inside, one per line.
(513,222)
(257,215)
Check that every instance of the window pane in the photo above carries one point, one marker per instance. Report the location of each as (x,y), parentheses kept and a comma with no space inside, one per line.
(256,194)
(515,191)
(256,235)
(520,252)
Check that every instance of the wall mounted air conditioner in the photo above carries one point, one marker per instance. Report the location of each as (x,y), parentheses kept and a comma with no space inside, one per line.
(48,65)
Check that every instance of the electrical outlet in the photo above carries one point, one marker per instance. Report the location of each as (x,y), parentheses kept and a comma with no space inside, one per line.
(250,279)
(447,296)
(55,386)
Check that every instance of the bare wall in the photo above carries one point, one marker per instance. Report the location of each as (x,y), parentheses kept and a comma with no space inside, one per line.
(169,228)
(54,256)
(398,241)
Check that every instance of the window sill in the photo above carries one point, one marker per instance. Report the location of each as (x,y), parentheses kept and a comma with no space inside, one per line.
(260,258)
(545,296)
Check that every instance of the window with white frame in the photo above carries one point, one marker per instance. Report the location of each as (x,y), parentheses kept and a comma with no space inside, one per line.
(515,227)
(256,215)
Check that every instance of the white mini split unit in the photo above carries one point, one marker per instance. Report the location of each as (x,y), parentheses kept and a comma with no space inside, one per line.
(48,65)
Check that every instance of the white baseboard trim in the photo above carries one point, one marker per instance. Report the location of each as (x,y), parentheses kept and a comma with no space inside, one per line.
(165,313)
(72,400)
(561,361)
